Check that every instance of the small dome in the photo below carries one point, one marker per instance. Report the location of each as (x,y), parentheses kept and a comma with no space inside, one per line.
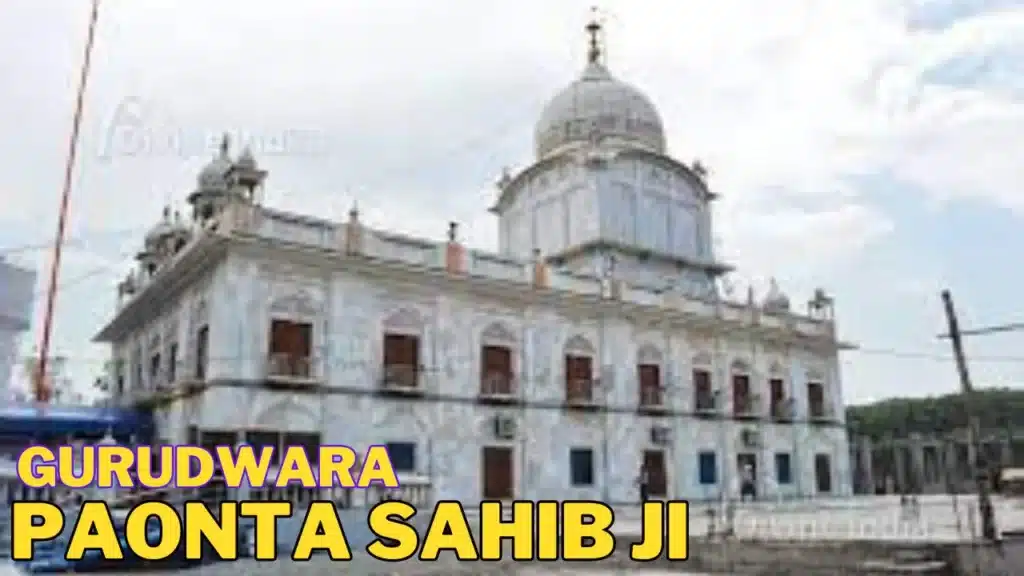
(161,230)
(213,176)
(246,159)
(599,107)
(775,299)
(179,226)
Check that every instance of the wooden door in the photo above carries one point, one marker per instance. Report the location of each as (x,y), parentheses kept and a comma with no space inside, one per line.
(497,473)
(402,358)
(657,474)
(649,376)
(703,398)
(740,392)
(496,370)
(578,376)
(816,399)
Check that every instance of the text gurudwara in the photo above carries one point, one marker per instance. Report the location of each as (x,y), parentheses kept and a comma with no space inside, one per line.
(193,467)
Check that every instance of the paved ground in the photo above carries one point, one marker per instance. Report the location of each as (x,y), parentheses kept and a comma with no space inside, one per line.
(941,518)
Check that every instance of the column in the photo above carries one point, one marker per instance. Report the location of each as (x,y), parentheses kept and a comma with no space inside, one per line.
(972,463)
(899,451)
(949,466)
(864,463)
(916,463)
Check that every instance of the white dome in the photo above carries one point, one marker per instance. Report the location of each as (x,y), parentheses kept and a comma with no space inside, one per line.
(246,159)
(599,107)
(161,230)
(213,175)
(775,299)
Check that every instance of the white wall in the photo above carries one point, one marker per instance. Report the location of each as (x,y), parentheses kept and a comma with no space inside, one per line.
(17,293)
(632,201)
(349,312)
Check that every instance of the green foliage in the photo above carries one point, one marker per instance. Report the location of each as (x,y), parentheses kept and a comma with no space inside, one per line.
(997,408)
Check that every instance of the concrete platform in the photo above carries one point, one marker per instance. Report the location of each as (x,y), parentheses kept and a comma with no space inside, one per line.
(941,519)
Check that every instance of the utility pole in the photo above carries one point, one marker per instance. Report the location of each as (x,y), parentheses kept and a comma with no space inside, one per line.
(43,392)
(988,523)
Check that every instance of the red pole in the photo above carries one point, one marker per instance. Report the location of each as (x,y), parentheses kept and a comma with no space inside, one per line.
(41,389)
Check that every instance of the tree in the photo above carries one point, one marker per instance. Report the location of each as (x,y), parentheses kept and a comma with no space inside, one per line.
(998,409)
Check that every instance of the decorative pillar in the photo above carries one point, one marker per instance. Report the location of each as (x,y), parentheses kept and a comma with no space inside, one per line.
(540,270)
(455,254)
(353,232)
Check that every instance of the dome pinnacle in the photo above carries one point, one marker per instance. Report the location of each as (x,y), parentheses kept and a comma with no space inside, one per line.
(593,29)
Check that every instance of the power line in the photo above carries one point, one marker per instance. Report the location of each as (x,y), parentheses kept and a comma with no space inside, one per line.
(72,241)
(909,355)
(1012,327)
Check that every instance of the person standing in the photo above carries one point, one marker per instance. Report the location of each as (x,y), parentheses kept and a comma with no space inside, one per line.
(747,486)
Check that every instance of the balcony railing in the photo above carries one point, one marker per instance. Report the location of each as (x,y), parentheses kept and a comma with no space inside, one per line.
(401,379)
(705,404)
(289,366)
(652,399)
(747,406)
(581,393)
(498,387)
(820,413)
(782,410)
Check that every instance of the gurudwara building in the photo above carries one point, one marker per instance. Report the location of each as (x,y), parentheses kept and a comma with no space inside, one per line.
(595,343)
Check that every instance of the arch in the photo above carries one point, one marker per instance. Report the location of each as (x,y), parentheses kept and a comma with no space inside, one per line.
(579,345)
(170,332)
(648,353)
(740,366)
(406,321)
(299,304)
(702,359)
(815,374)
(199,312)
(287,415)
(497,334)
(777,369)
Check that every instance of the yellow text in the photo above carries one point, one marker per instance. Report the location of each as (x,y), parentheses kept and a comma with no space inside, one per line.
(196,530)
(192,467)
(544,530)
(665,532)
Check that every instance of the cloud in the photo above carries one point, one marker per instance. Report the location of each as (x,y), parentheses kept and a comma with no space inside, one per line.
(413,110)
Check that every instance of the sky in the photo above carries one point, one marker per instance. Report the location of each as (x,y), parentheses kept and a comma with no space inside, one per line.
(873,148)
